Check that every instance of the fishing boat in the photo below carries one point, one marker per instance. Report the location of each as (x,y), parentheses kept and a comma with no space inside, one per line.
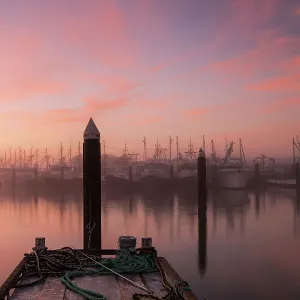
(232,172)
(157,171)
(187,175)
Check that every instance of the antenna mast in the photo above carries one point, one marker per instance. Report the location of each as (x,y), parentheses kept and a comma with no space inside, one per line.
(37,158)
(61,154)
(145,148)
(47,159)
(226,143)
(125,150)
(170,148)
(10,156)
(70,156)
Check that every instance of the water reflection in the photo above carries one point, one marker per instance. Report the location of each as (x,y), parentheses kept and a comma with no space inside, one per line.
(242,246)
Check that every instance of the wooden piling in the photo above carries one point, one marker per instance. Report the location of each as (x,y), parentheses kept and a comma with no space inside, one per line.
(92,187)
(202,207)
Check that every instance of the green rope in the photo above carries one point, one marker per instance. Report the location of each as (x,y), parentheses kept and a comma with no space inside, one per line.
(124,262)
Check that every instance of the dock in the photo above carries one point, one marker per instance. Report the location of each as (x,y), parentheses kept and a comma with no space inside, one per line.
(86,281)
(95,273)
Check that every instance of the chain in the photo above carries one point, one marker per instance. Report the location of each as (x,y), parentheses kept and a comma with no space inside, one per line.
(171,292)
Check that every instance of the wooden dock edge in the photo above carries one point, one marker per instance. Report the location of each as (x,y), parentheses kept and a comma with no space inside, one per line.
(173,276)
(12,279)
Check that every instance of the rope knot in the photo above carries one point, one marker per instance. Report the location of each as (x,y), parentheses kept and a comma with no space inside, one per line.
(180,287)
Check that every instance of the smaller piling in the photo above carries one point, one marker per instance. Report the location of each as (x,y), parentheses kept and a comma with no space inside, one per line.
(201,182)
(202,207)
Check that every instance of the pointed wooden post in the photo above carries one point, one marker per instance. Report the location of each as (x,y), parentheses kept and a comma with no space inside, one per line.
(202,207)
(92,187)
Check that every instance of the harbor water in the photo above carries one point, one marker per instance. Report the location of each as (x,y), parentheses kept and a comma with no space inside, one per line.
(253,239)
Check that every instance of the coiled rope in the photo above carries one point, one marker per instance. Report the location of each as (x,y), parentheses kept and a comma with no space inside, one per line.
(69,264)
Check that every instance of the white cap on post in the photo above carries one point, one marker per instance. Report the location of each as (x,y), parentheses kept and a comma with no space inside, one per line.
(201,153)
(91,131)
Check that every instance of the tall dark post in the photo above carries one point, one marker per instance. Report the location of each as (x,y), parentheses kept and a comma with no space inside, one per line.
(92,187)
(202,207)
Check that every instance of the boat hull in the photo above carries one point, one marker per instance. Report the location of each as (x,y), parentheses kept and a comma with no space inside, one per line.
(155,183)
(287,183)
(61,184)
(232,179)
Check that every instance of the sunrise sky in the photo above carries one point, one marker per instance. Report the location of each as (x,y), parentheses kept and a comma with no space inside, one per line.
(150,68)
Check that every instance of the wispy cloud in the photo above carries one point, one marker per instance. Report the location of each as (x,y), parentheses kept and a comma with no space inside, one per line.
(281,105)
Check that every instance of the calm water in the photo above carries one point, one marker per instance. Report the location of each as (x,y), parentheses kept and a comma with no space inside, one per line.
(253,241)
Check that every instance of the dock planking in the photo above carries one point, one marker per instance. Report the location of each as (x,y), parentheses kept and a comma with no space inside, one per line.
(111,286)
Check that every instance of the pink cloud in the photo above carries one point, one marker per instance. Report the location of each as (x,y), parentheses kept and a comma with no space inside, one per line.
(196,112)
(269,55)
(244,21)
(160,103)
(99,33)
(280,105)
(91,107)
(141,119)
(289,83)
(117,84)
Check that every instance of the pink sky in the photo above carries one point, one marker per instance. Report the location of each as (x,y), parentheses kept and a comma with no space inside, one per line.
(150,68)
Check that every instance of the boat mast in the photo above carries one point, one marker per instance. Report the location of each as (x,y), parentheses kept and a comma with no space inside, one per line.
(213,152)
(125,150)
(242,154)
(30,157)
(203,142)
(170,149)
(228,153)
(47,159)
(70,156)
(226,142)
(10,156)
(15,163)
(61,154)
(37,158)
(145,148)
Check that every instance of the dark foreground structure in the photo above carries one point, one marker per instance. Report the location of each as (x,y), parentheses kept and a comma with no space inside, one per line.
(88,273)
